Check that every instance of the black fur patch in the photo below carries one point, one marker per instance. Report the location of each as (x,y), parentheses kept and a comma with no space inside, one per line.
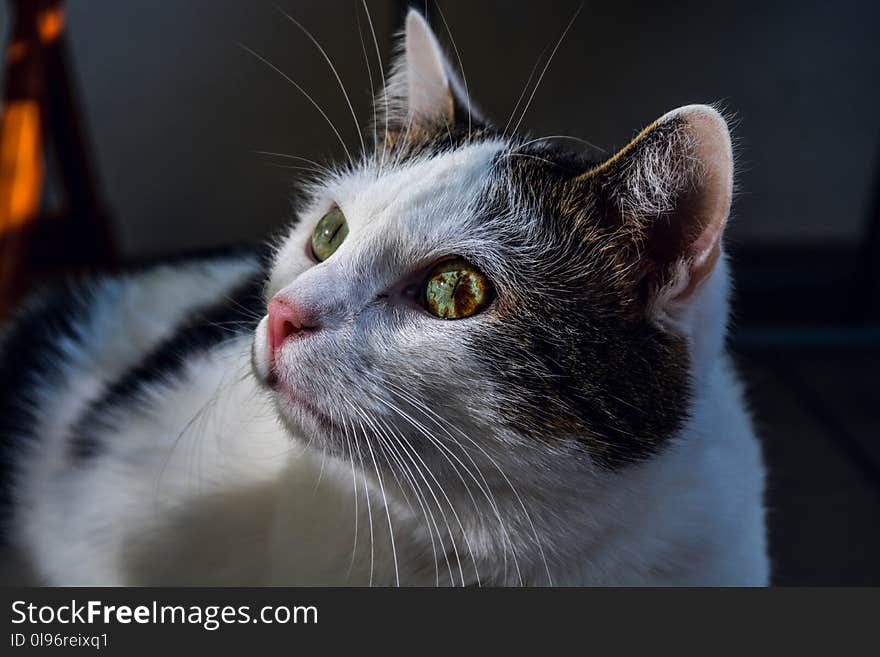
(234,315)
(574,353)
(31,356)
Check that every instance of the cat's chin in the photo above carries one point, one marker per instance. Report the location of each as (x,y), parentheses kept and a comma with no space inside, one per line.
(299,408)
(304,420)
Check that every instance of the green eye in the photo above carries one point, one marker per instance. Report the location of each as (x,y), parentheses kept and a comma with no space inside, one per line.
(456,289)
(329,234)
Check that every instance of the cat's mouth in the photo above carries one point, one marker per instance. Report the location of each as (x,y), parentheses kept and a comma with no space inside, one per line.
(295,406)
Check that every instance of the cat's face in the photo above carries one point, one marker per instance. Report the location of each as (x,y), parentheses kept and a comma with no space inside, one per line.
(379,349)
(465,290)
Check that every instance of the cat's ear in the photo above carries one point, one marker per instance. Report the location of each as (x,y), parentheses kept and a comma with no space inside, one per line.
(670,190)
(422,90)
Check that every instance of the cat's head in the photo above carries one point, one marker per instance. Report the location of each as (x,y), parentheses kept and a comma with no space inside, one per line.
(464,290)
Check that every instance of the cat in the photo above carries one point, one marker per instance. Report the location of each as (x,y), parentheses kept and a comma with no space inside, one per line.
(476,359)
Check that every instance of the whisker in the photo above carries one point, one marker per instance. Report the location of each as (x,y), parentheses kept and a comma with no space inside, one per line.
(370,75)
(412,452)
(546,66)
(429,517)
(494,463)
(289,157)
(354,488)
(524,89)
(293,167)
(570,137)
(467,488)
(485,489)
(315,164)
(369,510)
(529,156)
(387,507)
(332,68)
(439,485)
(467,92)
(396,436)
(381,72)
(522,505)
(304,93)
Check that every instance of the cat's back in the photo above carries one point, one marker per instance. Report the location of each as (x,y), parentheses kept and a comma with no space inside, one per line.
(82,346)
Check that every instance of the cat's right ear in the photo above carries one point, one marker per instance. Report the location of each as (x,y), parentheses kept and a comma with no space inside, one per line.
(422,91)
(668,193)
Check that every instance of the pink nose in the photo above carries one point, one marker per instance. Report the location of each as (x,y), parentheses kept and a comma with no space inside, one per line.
(288,320)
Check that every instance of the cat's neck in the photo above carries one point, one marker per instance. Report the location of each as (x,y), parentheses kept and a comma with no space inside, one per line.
(590,534)
(311,523)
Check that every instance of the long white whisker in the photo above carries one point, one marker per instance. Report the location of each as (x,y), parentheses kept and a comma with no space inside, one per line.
(455,462)
(464,532)
(411,452)
(354,488)
(570,137)
(304,93)
(397,437)
(519,500)
(332,68)
(366,417)
(382,73)
(467,92)
(370,74)
(524,90)
(448,454)
(495,464)
(387,509)
(439,484)
(429,517)
(286,156)
(369,509)
(546,66)
(483,487)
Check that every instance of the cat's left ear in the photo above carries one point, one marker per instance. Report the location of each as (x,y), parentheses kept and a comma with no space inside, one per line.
(670,191)
(423,91)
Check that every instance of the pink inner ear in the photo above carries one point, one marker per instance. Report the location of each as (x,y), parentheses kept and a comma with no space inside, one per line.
(714,153)
(427,81)
(710,195)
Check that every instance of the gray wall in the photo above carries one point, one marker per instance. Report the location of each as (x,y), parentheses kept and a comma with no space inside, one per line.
(800,78)
(177,108)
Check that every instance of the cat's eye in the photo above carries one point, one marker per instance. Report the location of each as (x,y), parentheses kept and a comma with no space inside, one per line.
(455,289)
(329,233)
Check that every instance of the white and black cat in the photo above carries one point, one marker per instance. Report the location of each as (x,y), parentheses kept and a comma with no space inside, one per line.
(475,359)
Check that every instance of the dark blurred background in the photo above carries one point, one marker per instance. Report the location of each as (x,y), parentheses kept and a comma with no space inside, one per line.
(172,111)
